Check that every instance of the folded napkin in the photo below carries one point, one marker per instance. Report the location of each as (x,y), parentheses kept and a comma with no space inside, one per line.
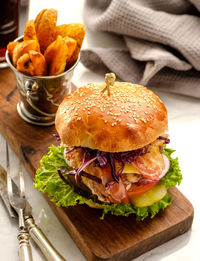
(162,42)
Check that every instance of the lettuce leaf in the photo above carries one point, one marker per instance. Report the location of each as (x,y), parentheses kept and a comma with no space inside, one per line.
(173,176)
(140,212)
(48,181)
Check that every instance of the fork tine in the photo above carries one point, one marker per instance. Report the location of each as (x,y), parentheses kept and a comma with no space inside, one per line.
(21,175)
(9,182)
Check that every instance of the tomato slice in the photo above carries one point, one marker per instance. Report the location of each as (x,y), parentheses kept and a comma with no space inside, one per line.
(151,164)
(139,189)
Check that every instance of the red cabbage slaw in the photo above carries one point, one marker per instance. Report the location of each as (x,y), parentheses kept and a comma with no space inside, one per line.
(55,135)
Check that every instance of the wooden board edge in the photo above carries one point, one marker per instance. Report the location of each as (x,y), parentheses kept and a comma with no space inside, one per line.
(141,248)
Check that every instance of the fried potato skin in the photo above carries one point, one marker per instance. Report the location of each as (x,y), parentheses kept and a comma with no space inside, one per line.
(56,56)
(29,31)
(71,44)
(39,63)
(10,47)
(45,24)
(37,19)
(24,47)
(74,57)
(32,63)
(75,31)
(25,65)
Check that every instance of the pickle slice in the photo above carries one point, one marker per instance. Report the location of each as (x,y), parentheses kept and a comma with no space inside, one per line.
(151,196)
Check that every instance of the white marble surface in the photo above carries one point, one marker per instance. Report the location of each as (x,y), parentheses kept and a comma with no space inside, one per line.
(184,128)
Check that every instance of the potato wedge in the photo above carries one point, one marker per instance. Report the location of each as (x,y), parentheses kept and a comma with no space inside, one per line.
(10,47)
(45,24)
(39,63)
(56,56)
(71,44)
(75,31)
(32,63)
(29,31)
(37,19)
(25,65)
(24,47)
(74,57)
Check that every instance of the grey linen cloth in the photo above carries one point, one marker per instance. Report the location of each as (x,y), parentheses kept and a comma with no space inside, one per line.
(162,42)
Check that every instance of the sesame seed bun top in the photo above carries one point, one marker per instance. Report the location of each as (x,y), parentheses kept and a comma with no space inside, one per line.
(129,118)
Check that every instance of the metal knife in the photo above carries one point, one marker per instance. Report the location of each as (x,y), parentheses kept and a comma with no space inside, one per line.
(35,232)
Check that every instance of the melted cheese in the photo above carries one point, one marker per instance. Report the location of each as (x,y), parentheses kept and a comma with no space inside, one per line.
(130,168)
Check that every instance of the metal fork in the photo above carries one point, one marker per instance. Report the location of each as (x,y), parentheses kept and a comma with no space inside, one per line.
(18,202)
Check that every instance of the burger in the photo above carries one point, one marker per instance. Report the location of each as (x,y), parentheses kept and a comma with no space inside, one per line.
(112,153)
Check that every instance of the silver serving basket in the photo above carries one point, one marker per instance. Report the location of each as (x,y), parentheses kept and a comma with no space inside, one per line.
(41,96)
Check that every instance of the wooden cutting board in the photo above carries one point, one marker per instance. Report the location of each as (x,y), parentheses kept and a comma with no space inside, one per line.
(114,238)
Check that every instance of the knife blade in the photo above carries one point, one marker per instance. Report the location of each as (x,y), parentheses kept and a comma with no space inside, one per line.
(4,196)
(35,232)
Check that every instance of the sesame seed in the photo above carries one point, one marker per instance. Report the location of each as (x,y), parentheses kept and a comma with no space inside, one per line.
(142,119)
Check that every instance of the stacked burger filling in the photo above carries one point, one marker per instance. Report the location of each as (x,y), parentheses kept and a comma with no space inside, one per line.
(118,177)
